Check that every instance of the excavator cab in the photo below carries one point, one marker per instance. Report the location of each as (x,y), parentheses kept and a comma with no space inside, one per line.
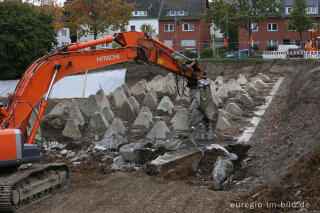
(15,151)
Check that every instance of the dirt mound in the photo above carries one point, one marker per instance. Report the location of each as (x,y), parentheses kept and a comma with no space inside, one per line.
(293,161)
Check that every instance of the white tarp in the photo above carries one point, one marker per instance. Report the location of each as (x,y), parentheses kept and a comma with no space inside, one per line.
(73,86)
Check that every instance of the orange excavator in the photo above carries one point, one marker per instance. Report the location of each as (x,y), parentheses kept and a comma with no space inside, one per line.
(20,187)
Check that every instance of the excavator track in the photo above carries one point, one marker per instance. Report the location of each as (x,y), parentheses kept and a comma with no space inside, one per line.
(20,188)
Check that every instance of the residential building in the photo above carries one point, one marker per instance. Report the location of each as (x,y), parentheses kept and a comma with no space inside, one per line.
(146,12)
(181,26)
(63,37)
(272,32)
(90,36)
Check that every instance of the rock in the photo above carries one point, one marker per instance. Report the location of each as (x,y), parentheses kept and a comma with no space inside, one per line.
(211,154)
(158,131)
(98,124)
(180,120)
(177,164)
(233,108)
(58,116)
(241,80)
(251,90)
(71,130)
(263,78)
(260,84)
(219,80)
(108,114)
(112,142)
(140,88)
(94,103)
(233,85)
(118,163)
(223,92)
(179,141)
(137,152)
(223,169)
(150,101)
(126,90)
(223,124)
(165,105)
(144,118)
(116,127)
(126,111)
(135,104)
(119,96)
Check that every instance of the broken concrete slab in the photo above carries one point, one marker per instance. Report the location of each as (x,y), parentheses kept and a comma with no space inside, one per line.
(126,111)
(112,142)
(150,100)
(259,84)
(223,169)
(108,114)
(223,92)
(159,131)
(137,152)
(135,104)
(234,109)
(119,96)
(165,105)
(144,118)
(116,127)
(233,85)
(98,124)
(177,164)
(180,120)
(59,115)
(219,80)
(126,89)
(71,130)
(241,80)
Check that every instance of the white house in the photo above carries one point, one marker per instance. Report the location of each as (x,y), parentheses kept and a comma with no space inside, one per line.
(89,37)
(63,37)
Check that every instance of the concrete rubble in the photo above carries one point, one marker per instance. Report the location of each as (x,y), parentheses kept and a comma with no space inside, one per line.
(119,96)
(98,124)
(118,163)
(165,105)
(140,151)
(159,131)
(144,118)
(116,127)
(112,142)
(223,169)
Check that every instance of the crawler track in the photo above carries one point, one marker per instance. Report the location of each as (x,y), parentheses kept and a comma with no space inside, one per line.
(20,188)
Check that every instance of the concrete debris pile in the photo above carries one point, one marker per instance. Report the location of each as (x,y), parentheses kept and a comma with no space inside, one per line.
(148,123)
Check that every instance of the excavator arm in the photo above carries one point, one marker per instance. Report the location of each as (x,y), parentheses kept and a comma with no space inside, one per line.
(46,71)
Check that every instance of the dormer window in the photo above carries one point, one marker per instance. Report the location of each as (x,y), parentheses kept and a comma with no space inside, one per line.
(288,10)
(312,10)
(176,13)
(140,13)
(181,13)
(172,12)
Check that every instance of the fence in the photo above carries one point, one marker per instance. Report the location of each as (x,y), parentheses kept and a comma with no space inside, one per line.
(285,54)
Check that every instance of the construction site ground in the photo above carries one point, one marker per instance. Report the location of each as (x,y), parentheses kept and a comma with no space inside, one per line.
(283,163)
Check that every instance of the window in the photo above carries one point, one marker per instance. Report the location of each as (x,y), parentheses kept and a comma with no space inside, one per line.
(168,28)
(173,12)
(181,12)
(132,28)
(272,43)
(272,27)
(254,27)
(91,31)
(255,43)
(64,32)
(286,41)
(288,10)
(312,10)
(188,43)
(314,26)
(168,42)
(297,42)
(188,27)
(139,13)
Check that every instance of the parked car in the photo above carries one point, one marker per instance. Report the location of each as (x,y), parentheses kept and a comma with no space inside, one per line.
(243,54)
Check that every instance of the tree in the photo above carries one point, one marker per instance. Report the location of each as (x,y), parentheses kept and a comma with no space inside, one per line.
(299,19)
(97,16)
(52,8)
(25,35)
(147,28)
(242,13)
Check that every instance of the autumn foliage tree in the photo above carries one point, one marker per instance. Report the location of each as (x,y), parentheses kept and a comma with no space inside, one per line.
(96,16)
(53,9)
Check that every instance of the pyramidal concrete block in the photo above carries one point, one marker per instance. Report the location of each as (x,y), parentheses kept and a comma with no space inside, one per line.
(108,114)
(219,80)
(94,103)
(116,127)
(234,109)
(241,80)
(119,96)
(135,104)
(259,84)
(150,100)
(263,78)
(139,88)
(165,105)
(223,92)
(158,131)
(98,124)
(127,111)
(71,130)
(180,120)
(144,118)
(233,85)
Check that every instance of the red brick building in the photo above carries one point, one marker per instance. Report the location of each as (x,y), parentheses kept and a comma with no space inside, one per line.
(180,24)
(272,32)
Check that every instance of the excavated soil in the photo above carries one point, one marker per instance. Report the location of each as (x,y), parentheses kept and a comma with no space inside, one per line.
(281,167)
